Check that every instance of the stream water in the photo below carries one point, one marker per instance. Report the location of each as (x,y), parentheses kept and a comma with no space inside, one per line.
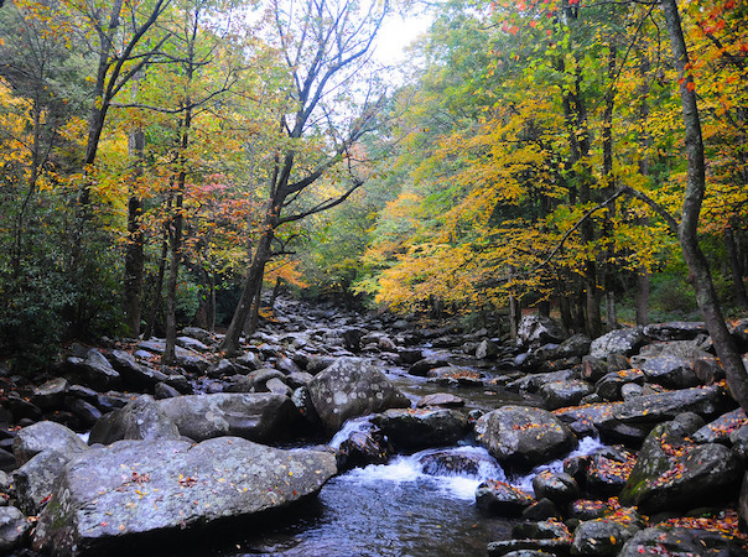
(400,509)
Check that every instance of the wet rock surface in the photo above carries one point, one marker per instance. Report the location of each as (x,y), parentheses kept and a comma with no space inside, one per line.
(130,489)
(654,394)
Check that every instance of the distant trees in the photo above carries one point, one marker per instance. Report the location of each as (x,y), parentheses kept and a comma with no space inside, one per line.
(151,150)
(528,118)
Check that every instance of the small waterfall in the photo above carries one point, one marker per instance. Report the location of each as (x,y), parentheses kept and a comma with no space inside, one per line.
(454,472)
(587,445)
(354,425)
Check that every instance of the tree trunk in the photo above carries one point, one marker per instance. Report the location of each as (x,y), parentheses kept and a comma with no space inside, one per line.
(134,258)
(642,296)
(611,319)
(254,278)
(645,142)
(250,327)
(169,357)
(157,288)
(698,266)
(735,268)
(544,308)
(515,316)
(276,292)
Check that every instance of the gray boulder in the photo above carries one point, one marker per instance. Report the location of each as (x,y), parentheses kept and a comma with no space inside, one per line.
(502,499)
(141,420)
(487,349)
(659,541)
(675,330)
(674,474)
(558,394)
(51,394)
(34,480)
(248,362)
(44,436)
(523,436)
(132,492)
(422,367)
(720,430)
(134,375)
(260,417)
(610,386)
(94,371)
(670,364)
(13,528)
(620,341)
(632,420)
(350,388)
(411,430)
(602,537)
(577,345)
(189,360)
(256,381)
(441,399)
(536,330)
(190,343)
(560,488)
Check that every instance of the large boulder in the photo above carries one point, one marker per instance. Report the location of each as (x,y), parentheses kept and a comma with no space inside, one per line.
(524,437)
(34,480)
(602,537)
(94,371)
(45,436)
(501,498)
(620,341)
(413,429)
(659,541)
(350,388)
(670,364)
(632,420)
(720,430)
(262,417)
(142,419)
(558,394)
(50,394)
(187,359)
(672,473)
(577,345)
(537,330)
(675,330)
(129,493)
(134,375)
(13,528)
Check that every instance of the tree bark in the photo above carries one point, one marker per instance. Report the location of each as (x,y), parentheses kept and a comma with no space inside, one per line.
(698,266)
(645,142)
(642,296)
(157,288)
(736,270)
(134,257)
(231,342)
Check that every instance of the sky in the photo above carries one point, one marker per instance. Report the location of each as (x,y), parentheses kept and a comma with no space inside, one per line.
(396,34)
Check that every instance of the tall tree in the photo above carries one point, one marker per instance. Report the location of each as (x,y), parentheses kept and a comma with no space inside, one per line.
(693,197)
(326,45)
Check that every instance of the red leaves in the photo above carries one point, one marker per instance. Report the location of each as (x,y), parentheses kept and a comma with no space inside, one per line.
(186,481)
(140,478)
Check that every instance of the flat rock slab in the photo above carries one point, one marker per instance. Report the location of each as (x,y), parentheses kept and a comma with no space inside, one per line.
(636,417)
(132,490)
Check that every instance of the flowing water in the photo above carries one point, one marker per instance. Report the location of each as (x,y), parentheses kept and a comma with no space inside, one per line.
(410,506)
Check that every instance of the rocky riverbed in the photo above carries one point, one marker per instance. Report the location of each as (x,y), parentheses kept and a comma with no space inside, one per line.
(108,452)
